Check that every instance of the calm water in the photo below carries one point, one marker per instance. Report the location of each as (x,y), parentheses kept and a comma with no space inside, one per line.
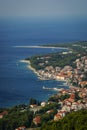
(17,83)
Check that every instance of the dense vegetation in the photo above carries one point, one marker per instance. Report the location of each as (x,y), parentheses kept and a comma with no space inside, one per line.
(49,107)
(59,59)
(73,121)
(73,45)
(16,117)
(34,101)
(22,116)
(55,59)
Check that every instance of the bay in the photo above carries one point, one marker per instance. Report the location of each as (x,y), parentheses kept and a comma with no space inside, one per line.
(17,83)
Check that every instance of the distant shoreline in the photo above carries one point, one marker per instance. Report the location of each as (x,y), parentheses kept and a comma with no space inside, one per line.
(45,47)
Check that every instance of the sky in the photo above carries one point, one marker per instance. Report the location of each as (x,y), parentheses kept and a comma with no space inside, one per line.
(43,8)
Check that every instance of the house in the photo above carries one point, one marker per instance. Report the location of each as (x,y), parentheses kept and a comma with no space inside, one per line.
(66,108)
(33,105)
(43,104)
(37,120)
(57,117)
(67,68)
(84,94)
(57,69)
(72,96)
(64,53)
(60,77)
(81,106)
(41,64)
(74,106)
(83,83)
(2,114)
(67,102)
(64,91)
(85,105)
(62,113)
(50,111)
(21,128)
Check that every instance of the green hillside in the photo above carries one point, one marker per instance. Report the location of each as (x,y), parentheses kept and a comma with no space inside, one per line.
(73,121)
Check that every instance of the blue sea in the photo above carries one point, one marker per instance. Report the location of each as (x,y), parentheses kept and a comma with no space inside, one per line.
(17,83)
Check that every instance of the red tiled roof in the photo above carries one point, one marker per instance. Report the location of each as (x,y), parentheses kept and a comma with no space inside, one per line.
(21,128)
(37,120)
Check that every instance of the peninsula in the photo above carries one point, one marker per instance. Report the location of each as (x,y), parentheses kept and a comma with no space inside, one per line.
(50,47)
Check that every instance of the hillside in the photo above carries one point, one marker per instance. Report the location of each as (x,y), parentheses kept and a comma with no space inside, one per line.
(73,121)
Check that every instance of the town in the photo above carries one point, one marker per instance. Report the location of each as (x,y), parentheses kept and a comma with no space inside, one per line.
(64,101)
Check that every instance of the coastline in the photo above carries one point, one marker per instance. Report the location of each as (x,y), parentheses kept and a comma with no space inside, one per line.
(30,67)
(43,78)
(39,76)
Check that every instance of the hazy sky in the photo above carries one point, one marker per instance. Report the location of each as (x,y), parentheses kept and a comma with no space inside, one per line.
(43,8)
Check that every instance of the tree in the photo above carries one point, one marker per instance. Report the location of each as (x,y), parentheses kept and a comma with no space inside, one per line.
(34,101)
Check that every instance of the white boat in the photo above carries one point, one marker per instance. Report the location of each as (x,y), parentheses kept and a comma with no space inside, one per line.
(56,89)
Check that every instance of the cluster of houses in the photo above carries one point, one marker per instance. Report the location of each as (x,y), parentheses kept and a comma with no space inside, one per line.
(76,76)
(67,105)
(72,104)
(55,73)
(70,75)
(80,73)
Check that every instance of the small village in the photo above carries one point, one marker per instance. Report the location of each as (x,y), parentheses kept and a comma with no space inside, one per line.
(76,79)
(67,100)
(76,76)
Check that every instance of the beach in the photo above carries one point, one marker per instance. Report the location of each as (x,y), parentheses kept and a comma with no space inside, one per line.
(44,47)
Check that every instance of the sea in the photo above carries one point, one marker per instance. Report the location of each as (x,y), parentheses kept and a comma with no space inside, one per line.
(17,83)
